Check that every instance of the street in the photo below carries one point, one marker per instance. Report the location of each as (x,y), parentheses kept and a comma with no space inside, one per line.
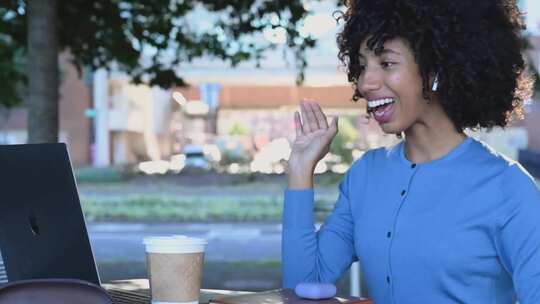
(227,242)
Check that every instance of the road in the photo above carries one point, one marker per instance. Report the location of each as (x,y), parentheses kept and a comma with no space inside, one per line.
(226,241)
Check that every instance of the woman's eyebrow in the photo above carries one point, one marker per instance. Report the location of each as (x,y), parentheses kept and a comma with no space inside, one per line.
(384,51)
(390,51)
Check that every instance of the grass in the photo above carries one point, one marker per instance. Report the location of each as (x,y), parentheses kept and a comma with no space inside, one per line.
(185,209)
(101,175)
(118,194)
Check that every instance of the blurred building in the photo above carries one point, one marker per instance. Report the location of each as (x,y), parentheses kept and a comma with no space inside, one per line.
(532,121)
(105,120)
(148,124)
(143,123)
(75,125)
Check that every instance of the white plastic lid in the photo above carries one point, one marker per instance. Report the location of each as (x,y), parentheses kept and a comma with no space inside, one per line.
(174,244)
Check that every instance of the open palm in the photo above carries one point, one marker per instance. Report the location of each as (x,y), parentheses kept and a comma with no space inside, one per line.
(313,134)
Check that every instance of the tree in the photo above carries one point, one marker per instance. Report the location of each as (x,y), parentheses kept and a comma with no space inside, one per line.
(43,71)
(99,32)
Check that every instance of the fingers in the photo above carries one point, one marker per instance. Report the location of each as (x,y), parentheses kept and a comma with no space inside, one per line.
(298,124)
(308,117)
(313,118)
(319,115)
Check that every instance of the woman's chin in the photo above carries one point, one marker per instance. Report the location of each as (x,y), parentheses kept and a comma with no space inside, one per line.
(390,128)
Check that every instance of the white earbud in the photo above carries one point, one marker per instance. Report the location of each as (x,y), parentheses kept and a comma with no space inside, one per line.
(435,83)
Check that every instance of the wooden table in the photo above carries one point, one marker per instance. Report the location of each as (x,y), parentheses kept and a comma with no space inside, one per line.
(138,292)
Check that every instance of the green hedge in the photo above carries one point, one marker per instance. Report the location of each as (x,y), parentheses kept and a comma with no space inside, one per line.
(163,209)
(101,175)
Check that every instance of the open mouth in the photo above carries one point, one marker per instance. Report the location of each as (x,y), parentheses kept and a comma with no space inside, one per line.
(378,104)
(381,109)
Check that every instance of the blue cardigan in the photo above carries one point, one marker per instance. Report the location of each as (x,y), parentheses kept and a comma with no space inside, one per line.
(464,228)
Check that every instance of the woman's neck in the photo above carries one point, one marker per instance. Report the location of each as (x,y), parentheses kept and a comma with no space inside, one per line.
(431,139)
(421,150)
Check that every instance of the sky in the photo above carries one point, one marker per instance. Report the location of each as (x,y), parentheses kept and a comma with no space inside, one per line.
(532,8)
(323,65)
(278,66)
(321,24)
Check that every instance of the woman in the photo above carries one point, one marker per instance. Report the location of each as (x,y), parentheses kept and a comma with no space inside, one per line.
(439,217)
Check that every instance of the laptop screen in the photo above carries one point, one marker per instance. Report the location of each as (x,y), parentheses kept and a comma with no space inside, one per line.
(42,227)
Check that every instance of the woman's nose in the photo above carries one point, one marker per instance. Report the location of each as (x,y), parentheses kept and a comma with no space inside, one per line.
(369,81)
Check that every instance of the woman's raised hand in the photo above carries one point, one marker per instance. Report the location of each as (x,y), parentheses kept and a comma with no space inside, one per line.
(313,139)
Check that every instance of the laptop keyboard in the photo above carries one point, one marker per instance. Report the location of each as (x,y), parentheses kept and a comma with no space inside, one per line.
(129,297)
(3,274)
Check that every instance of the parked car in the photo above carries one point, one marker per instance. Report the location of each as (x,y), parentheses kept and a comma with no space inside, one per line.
(195,157)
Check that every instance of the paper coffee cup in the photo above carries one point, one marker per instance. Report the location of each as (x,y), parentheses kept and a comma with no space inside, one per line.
(174,268)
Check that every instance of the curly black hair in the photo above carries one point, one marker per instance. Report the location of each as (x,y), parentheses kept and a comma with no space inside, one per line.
(475,48)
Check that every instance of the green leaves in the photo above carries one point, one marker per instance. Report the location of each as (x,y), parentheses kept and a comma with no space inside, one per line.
(104,31)
(12,68)
(12,52)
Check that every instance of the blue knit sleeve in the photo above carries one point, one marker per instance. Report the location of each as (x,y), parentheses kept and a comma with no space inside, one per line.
(316,256)
(518,234)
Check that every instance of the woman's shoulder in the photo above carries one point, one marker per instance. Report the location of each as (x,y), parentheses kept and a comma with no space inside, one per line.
(513,177)
(482,154)
(517,181)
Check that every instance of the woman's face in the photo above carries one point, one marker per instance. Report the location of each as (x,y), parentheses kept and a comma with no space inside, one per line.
(392,85)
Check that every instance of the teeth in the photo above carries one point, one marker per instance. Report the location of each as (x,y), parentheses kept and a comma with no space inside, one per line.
(379,102)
